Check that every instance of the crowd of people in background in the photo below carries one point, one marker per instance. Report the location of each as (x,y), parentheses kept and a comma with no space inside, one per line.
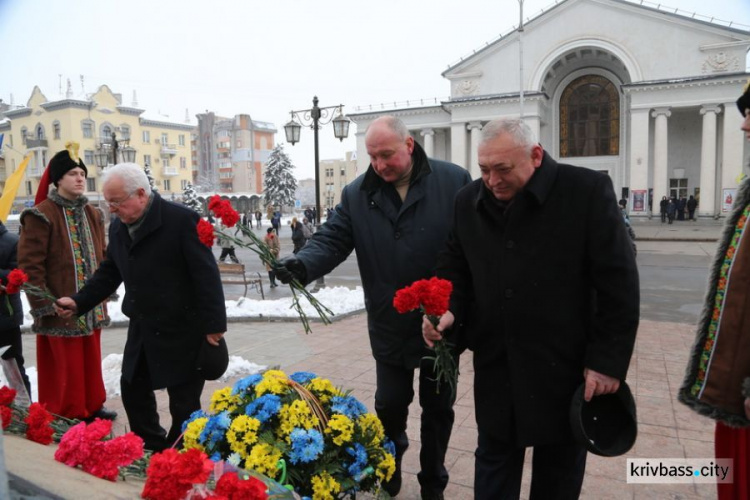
(681,209)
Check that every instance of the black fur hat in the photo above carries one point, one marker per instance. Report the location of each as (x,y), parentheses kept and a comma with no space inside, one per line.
(607,424)
(63,162)
(744,101)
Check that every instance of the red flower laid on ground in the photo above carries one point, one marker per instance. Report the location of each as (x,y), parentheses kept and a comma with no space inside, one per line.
(171,474)
(7,395)
(6,416)
(38,421)
(231,487)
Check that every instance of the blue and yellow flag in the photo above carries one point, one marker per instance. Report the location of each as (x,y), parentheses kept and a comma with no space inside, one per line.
(11,187)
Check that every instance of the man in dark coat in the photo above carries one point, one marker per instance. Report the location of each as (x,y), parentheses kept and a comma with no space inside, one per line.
(11,312)
(692,204)
(173,297)
(396,216)
(546,288)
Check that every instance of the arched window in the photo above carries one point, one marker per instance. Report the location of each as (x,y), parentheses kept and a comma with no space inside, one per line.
(590,118)
(39,132)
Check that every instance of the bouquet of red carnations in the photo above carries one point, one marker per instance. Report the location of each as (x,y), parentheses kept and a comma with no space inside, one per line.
(432,297)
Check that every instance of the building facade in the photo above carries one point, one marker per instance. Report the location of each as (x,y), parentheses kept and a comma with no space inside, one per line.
(42,127)
(333,176)
(645,95)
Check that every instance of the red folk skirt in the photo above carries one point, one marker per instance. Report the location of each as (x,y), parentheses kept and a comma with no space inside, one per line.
(70,374)
(734,443)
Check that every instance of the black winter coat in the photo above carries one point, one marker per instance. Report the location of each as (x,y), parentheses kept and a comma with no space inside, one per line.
(9,262)
(173,292)
(394,247)
(544,291)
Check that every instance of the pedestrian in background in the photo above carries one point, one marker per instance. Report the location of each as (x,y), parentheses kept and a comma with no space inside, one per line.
(298,235)
(62,243)
(717,382)
(274,245)
(692,203)
(663,209)
(671,209)
(545,286)
(11,313)
(396,217)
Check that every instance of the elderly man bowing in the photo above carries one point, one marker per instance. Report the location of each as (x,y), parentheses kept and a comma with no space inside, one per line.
(173,297)
(546,291)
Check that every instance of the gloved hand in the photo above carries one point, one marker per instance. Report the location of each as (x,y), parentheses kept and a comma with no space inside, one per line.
(290,268)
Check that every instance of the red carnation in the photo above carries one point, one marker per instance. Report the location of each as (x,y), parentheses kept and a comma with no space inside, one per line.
(171,474)
(16,278)
(232,487)
(206,233)
(38,421)
(406,300)
(7,395)
(6,415)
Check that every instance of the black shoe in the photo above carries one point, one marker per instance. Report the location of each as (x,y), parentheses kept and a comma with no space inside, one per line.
(274,285)
(431,495)
(104,413)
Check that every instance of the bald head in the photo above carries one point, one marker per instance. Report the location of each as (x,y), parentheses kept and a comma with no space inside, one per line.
(389,146)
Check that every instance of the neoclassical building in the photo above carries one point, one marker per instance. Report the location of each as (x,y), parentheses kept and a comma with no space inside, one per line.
(645,95)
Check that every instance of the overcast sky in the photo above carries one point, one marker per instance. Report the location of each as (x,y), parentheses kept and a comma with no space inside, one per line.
(262,58)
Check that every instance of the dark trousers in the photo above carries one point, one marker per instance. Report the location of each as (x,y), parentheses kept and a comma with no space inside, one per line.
(557,470)
(394,393)
(664,216)
(228,252)
(140,405)
(12,337)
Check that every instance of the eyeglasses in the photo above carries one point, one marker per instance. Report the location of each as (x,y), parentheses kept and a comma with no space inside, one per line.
(116,204)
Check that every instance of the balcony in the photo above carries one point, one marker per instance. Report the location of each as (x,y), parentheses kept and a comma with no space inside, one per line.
(168,171)
(36,143)
(168,149)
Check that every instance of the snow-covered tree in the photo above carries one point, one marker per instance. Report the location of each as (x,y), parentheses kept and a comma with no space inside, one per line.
(151,181)
(190,199)
(280,183)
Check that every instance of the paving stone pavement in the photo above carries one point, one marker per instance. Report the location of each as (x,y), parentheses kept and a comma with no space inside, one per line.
(341,352)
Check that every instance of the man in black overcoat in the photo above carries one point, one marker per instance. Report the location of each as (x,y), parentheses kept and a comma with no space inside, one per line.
(546,293)
(173,297)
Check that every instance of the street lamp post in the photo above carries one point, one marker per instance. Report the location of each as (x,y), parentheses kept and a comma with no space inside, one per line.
(102,155)
(315,117)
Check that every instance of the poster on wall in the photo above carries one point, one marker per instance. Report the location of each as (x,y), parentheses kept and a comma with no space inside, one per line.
(639,200)
(727,198)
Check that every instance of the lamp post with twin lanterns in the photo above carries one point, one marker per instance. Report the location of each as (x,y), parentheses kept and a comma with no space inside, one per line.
(315,117)
(106,149)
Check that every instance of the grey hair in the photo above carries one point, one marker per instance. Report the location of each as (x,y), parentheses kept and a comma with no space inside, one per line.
(514,127)
(394,124)
(132,175)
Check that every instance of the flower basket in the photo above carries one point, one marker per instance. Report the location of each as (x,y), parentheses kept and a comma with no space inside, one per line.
(298,430)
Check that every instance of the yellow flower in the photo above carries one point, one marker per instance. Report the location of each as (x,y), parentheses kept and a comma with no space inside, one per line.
(242,434)
(341,429)
(386,467)
(222,399)
(297,414)
(324,487)
(264,458)
(274,381)
(192,433)
(323,389)
(371,425)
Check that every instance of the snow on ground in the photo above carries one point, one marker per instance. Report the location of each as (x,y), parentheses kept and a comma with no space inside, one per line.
(340,300)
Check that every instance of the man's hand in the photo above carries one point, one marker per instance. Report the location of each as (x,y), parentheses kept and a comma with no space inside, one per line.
(290,268)
(214,338)
(598,384)
(430,334)
(65,307)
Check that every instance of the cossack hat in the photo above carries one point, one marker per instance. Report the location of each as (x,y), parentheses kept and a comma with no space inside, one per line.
(213,360)
(744,101)
(607,424)
(59,165)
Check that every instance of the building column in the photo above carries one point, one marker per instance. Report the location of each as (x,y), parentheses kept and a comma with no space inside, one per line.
(639,134)
(661,153)
(707,206)
(458,144)
(429,141)
(475,129)
(732,145)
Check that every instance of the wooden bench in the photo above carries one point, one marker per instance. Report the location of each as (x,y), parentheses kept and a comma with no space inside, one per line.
(234,274)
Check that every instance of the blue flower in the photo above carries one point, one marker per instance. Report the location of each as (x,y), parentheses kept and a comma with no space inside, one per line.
(193,416)
(348,405)
(389,446)
(307,445)
(216,457)
(359,452)
(246,383)
(302,377)
(215,429)
(264,407)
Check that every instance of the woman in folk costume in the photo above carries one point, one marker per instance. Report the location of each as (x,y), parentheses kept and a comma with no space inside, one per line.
(717,383)
(62,243)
